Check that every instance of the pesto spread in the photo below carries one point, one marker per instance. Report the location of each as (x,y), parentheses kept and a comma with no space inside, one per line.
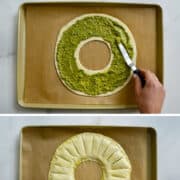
(100,83)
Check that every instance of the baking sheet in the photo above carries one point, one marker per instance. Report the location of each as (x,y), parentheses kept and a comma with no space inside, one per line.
(38,145)
(39,24)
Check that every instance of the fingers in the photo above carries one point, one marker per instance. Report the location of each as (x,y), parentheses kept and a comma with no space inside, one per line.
(150,77)
(151,82)
(137,84)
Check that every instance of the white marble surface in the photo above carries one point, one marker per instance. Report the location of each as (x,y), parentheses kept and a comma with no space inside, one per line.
(167,131)
(8,41)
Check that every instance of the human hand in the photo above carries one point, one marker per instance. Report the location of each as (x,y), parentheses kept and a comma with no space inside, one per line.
(149,98)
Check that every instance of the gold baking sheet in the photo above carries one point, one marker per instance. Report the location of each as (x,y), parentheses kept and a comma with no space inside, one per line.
(39,23)
(38,145)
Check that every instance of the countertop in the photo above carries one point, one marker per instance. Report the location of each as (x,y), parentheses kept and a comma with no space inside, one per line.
(8,46)
(167,137)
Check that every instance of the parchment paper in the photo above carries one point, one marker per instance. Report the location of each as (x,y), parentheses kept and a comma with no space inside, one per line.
(40,143)
(43,22)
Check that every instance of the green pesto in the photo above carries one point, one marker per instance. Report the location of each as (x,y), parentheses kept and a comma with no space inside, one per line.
(99,83)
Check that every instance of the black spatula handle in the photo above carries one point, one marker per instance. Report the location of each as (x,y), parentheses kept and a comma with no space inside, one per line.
(140,75)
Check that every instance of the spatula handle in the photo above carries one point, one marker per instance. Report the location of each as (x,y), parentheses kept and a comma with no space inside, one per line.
(139,74)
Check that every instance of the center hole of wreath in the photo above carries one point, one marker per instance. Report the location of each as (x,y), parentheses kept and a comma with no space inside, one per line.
(88,170)
(95,55)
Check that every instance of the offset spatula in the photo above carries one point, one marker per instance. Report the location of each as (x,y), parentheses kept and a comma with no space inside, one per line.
(130,63)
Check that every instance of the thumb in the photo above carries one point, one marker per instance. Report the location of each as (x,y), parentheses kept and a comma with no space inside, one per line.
(137,84)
